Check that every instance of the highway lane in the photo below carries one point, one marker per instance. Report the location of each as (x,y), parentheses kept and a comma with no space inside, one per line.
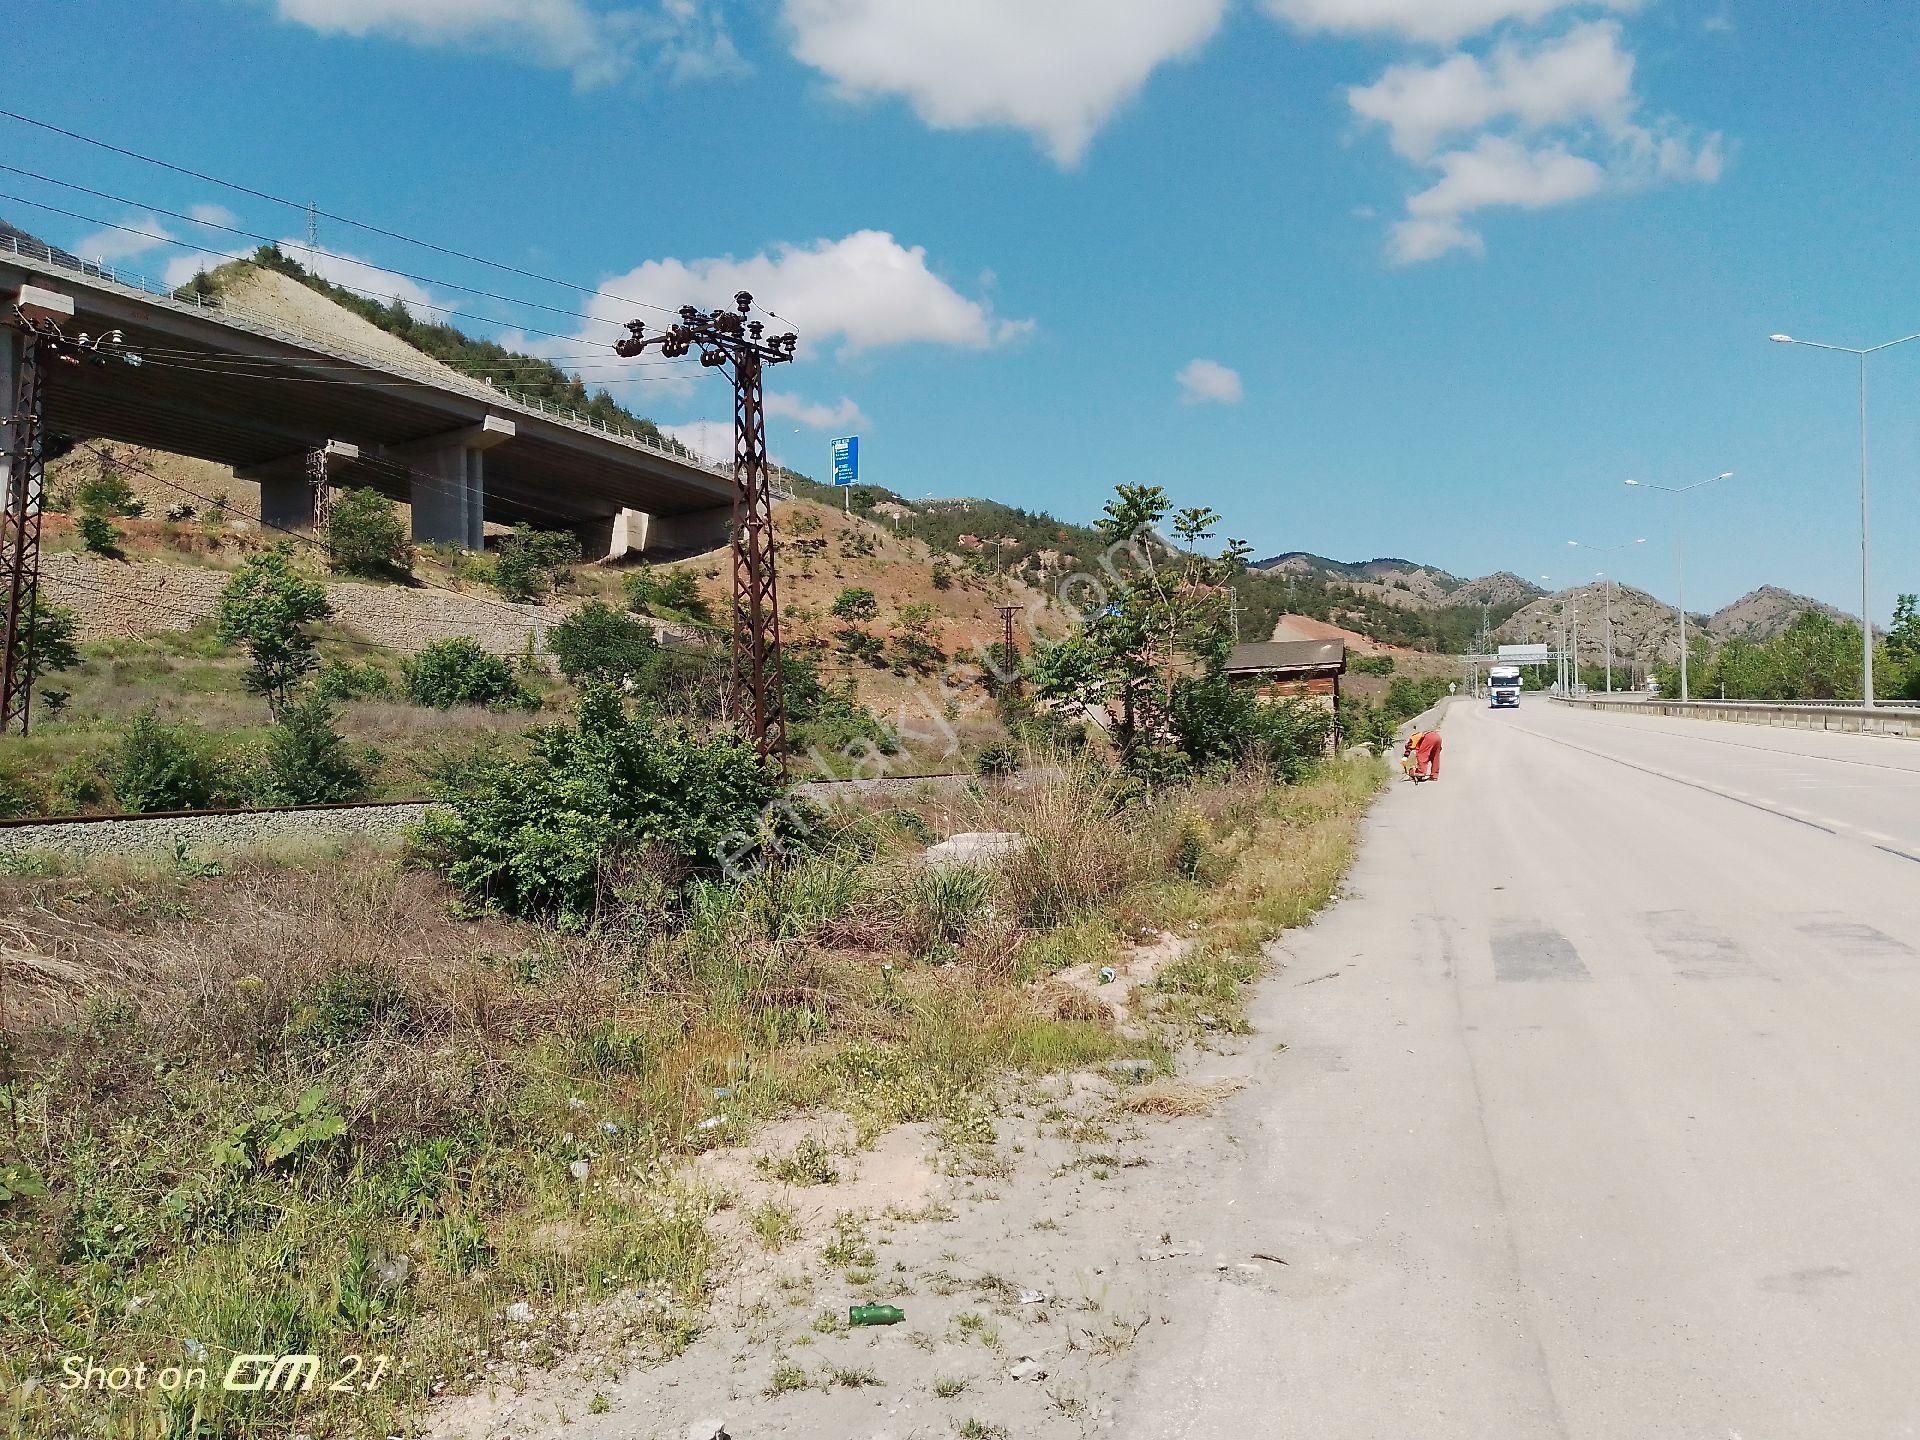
(1605,1122)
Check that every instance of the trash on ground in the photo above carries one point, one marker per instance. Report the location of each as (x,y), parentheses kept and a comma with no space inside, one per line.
(1034,1297)
(875,1315)
(1028,1369)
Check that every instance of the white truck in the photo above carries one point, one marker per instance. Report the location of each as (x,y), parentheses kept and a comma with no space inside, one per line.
(1503,687)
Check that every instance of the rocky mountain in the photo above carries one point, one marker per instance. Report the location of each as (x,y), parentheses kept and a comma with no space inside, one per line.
(1405,583)
(1761,614)
(1644,627)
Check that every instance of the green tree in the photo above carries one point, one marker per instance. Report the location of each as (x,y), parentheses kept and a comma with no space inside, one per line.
(267,607)
(106,492)
(365,536)
(532,562)
(307,761)
(456,671)
(50,633)
(1165,628)
(597,642)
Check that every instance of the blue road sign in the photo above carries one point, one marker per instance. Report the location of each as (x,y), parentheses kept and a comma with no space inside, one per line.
(846,460)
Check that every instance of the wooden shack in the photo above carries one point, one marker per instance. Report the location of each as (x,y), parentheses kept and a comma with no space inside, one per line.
(1291,669)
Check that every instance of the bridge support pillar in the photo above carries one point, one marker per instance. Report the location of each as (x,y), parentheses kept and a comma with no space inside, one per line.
(293,487)
(449,491)
(635,532)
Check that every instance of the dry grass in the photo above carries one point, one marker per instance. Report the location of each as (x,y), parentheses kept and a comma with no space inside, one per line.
(1178,1097)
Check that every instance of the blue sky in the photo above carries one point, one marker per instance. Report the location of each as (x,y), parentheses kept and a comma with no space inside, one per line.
(1452,269)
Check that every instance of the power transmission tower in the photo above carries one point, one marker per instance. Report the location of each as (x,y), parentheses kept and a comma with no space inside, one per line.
(1008,655)
(43,344)
(313,233)
(727,340)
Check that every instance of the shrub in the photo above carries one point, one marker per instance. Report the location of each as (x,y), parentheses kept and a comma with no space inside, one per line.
(598,643)
(456,671)
(672,593)
(365,536)
(98,534)
(161,767)
(532,562)
(536,835)
(342,680)
(267,607)
(1001,757)
(76,785)
(307,762)
(856,603)
(19,796)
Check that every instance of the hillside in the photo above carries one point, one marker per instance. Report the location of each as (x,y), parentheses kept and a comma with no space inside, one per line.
(1762,614)
(1644,627)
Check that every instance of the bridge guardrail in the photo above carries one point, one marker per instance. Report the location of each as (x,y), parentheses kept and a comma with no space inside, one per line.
(280,329)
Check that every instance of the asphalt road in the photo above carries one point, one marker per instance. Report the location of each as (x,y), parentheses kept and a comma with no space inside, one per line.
(1598,1112)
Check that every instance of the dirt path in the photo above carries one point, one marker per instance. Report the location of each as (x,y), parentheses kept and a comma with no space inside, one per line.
(1028,1271)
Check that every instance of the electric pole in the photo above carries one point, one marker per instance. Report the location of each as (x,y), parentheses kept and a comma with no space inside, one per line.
(43,344)
(728,341)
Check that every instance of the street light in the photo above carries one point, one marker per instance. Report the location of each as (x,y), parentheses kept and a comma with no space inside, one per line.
(1866,567)
(1680,556)
(1602,575)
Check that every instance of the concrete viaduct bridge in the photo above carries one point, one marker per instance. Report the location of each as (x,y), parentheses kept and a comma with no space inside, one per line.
(282,407)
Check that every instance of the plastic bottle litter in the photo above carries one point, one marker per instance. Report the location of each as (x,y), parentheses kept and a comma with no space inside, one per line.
(875,1315)
(712,1122)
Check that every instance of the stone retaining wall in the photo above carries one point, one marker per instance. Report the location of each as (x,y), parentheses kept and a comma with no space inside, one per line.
(115,599)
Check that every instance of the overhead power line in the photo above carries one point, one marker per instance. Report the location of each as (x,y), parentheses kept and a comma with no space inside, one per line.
(443,283)
(310,209)
(160,239)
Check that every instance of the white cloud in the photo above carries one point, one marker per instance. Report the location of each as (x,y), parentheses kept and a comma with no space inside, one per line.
(213,215)
(134,235)
(598,44)
(1208,382)
(1058,69)
(709,439)
(1498,171)
(844,416)
(866,289)
(1434,21)
(1525,126)
(1411,241)
(1583,75)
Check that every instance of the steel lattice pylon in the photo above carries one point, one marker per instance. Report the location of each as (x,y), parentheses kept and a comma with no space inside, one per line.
(726,339)
(20,531)
(758,694)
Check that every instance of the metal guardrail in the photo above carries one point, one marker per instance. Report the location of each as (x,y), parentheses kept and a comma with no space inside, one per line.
(1644,699)
(1899,721)
(183,300)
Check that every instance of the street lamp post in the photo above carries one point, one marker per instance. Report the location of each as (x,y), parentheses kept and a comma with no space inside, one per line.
(1602,575)
(1866,565)
(1680,556)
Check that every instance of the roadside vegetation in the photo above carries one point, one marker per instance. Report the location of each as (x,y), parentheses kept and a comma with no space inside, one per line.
(306,1104)
(1815,658)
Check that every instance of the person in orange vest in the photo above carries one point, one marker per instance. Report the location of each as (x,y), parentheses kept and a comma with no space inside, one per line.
(1423,746)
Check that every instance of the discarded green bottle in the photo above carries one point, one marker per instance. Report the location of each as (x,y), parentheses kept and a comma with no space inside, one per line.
(875,1315)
